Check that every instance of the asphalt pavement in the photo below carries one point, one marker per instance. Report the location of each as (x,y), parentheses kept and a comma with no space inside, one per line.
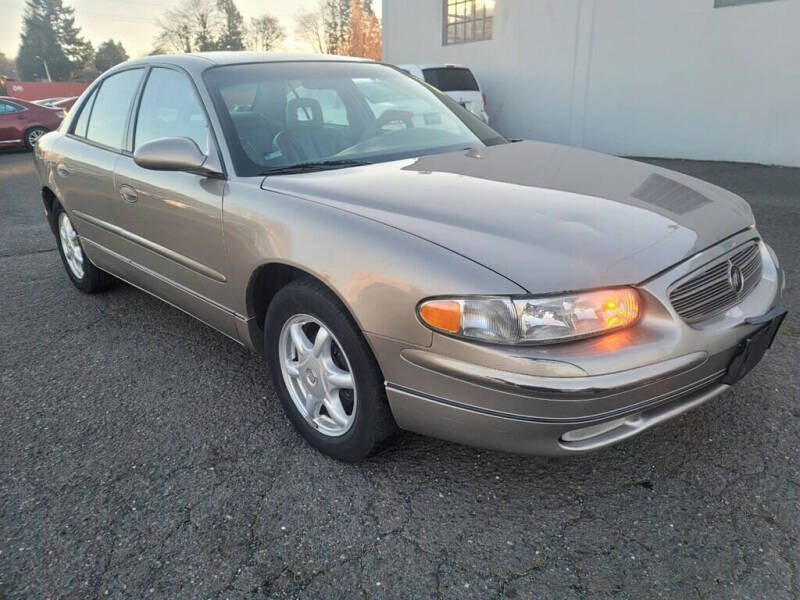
(143,455)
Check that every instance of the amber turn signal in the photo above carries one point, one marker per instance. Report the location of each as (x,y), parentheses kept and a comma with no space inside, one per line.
(444,315)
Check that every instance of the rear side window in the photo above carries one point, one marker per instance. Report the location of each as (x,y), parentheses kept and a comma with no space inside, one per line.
(83,117)
(170,108)
(451,79)
(110,110)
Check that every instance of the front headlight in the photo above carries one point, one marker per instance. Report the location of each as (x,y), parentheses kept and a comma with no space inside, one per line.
(532,320)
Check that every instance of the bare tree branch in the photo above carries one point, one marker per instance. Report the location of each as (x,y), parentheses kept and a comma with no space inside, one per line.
(309,25)
(264,33)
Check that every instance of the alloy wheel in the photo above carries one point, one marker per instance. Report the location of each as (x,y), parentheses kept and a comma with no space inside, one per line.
(70,245)
(34,136)
(317,374)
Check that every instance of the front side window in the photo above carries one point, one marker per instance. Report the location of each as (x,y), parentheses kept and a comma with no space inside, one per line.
(110,109)
(468,20)
(280,115)
(170,108)
(9,107)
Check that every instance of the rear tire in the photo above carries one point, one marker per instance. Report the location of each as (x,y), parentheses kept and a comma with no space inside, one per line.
(83,274)
(333,391)
(32,136)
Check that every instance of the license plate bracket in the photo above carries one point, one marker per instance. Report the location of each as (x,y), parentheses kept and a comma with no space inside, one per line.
(753,348)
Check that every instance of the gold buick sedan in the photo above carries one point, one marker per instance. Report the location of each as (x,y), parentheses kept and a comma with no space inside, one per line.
(400,264)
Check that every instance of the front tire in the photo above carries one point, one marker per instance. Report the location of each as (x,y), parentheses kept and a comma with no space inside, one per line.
(325,374)
(32,136)
(81,271)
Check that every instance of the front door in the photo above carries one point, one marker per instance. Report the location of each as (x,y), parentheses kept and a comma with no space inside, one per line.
(173,220)
(12,123)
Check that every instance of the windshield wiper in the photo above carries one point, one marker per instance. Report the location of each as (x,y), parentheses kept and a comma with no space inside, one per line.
(310,167)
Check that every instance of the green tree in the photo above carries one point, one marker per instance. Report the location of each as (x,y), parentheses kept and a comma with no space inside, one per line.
(78,51)
(206,23)
(231,36)
(49,35)
(336,22)
(108,54)
(326,26)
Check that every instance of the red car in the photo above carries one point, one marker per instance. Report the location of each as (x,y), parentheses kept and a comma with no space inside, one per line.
(65,103)
(23,122)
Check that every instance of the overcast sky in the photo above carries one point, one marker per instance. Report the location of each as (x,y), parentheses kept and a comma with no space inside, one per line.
(134,22)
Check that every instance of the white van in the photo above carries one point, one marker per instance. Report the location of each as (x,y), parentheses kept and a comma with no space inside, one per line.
(456,81)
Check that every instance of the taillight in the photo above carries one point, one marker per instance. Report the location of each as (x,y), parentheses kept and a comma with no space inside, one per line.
(484,101)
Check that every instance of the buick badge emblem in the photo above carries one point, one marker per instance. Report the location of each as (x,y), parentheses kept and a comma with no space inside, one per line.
(736,279)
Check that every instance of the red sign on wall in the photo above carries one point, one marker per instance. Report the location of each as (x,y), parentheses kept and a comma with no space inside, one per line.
(37,90)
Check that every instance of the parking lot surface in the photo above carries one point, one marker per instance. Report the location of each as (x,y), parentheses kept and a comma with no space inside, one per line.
(145,456)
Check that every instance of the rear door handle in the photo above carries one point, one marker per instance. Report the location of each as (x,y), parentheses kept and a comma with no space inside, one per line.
(62,170)
(128,194)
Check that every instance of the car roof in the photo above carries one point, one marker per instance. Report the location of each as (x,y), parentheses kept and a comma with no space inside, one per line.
(199,61)
(17,100)
(423,66)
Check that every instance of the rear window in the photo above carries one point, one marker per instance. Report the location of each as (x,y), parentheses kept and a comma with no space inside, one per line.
(451,79)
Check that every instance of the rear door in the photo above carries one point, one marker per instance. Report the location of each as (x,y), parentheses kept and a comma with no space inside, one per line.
(459,84)
(84,173)
(173,220)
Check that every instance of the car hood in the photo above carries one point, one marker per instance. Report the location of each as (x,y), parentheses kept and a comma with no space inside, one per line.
(550,218)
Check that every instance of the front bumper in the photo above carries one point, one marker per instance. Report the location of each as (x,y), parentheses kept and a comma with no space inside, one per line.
(581,396)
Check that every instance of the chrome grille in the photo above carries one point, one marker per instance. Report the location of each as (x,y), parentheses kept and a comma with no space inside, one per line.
(711,290)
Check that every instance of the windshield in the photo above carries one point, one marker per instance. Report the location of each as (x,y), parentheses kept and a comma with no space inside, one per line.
(277,116)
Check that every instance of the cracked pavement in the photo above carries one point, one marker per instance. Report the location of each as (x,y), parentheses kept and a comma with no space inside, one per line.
(144,455)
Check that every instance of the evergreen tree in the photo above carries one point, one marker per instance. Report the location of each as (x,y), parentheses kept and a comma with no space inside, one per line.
(336,23)
(231,35)
(108,54)
(206,21)
(49,35)
(78,50)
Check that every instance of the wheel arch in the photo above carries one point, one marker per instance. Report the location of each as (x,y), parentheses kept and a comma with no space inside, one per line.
(49,199)
(266,281)
(269,278)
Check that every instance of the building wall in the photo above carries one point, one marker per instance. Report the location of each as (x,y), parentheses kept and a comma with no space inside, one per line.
(38,90)
(668,78)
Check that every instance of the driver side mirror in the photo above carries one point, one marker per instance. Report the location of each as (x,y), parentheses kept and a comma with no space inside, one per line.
(175,154)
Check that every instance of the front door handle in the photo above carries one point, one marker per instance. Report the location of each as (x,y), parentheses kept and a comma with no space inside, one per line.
(128,194)
(62,170)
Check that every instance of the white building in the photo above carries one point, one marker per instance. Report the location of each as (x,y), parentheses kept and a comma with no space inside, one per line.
(703,79)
